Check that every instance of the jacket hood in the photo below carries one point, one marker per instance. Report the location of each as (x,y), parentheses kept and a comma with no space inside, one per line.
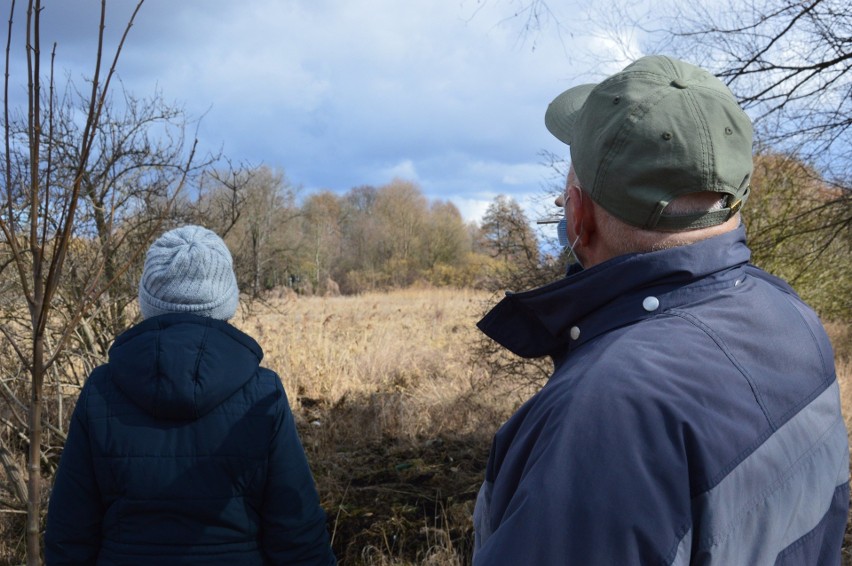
(536,323)
(182,366)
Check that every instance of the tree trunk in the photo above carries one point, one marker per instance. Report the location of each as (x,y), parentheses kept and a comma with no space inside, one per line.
(34,457)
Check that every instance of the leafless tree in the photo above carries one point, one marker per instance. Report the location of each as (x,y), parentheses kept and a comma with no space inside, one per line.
(321,215)
(507,233)
(789,62)
(265,235)
(137,165)
(81,183)
(223,195)
(447,239)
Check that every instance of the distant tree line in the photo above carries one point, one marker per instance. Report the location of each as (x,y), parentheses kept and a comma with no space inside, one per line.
(369,238)
(92,175)
(366,239)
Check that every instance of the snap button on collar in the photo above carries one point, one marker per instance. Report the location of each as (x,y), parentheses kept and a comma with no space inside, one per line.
(651,304)
(574,332)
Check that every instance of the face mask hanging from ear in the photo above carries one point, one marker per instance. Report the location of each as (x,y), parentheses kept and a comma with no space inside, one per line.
(562,234)
(562,231)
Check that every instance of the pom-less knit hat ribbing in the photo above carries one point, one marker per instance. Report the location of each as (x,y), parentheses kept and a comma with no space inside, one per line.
(189,269)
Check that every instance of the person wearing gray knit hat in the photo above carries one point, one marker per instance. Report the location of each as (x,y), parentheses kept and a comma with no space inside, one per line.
(183,447)
(189,269)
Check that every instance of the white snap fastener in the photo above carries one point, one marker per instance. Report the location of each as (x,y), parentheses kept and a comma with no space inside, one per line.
(651,304)
(575,332)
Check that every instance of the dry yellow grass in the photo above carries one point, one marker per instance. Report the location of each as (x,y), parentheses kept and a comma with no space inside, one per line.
(395,415)
(844,378)
(412,344)
(841,339)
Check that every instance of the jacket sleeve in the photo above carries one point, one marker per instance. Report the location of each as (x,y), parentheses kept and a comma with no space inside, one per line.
(74,515)
(607,487)
(293,522)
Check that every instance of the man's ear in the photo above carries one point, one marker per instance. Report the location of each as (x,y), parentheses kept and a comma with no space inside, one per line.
(582,216)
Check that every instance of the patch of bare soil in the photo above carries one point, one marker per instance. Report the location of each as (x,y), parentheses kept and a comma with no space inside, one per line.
(399,501)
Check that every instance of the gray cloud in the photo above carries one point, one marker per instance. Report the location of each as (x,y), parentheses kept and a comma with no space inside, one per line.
(342,94)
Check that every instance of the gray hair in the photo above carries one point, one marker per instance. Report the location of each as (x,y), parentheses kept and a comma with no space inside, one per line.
(622,238)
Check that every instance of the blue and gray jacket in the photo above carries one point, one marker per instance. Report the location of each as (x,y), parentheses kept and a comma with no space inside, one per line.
(693,417)
(183,450)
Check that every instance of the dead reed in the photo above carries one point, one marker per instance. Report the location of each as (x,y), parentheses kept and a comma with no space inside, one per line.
(395,415)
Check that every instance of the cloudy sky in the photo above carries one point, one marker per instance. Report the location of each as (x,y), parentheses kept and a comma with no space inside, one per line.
(447,93)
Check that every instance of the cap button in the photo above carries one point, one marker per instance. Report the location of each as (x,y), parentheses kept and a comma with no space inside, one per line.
(575,332)
(651,304)
(677,83)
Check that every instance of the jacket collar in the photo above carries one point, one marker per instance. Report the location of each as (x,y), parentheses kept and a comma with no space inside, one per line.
(571,311)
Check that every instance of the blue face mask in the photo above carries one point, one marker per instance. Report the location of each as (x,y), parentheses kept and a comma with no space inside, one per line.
(562,234)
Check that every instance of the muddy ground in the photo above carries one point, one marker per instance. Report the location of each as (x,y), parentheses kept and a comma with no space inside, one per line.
(393,500)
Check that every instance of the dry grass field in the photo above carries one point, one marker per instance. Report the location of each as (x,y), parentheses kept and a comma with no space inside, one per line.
(397,417)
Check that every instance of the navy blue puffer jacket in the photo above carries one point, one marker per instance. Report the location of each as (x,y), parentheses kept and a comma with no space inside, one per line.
(183,450)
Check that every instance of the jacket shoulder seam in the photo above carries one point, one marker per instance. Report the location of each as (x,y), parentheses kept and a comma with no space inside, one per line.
(723,347)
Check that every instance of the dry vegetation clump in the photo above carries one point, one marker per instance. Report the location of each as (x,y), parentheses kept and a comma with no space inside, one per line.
(395,416)
(841,338)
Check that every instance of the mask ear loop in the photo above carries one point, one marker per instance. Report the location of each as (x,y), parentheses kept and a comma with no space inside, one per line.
(579,231)
(562,232)
(574,243)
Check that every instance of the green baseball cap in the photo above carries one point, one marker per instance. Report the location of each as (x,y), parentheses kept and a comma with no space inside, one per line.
(659,129)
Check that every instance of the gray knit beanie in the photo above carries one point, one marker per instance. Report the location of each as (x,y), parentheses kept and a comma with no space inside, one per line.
(189,269)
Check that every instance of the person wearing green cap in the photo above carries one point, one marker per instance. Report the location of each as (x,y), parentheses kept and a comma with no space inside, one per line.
(693,415)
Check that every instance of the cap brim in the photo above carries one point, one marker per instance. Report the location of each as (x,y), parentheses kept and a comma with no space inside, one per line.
(562,112)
